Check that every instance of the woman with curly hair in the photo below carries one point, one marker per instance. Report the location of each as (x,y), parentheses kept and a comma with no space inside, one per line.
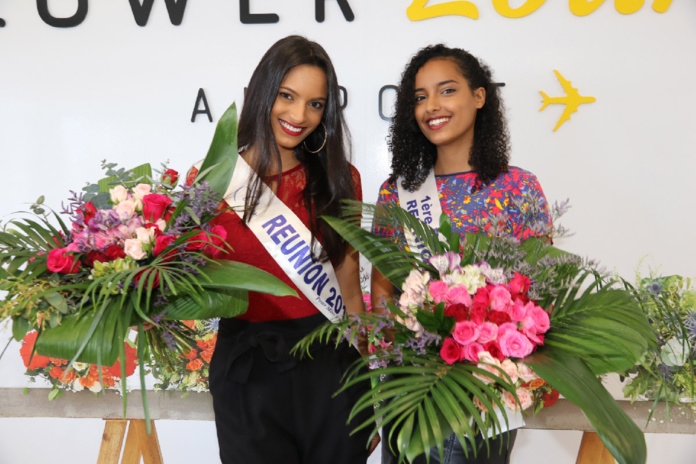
(449,142)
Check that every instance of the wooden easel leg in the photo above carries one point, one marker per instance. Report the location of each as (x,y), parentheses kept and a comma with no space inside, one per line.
(593,451)
(112,440)
(138,443)
(149,444)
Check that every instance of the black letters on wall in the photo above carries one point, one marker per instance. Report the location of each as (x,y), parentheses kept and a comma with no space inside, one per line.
(255,18)
(141,11)
(381,94)
(206,110)
(2,22)
(72,21)
(320,10)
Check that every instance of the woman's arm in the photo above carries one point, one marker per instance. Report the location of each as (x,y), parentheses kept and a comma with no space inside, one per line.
(348,275)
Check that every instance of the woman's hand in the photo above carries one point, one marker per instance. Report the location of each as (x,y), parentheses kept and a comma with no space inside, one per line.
(373,444)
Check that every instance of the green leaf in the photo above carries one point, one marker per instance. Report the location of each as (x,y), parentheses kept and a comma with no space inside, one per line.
(232,275)
(56,300)
(575,381)
(64,341)
(140,175)
(222,154)
(20,328)
(209,304)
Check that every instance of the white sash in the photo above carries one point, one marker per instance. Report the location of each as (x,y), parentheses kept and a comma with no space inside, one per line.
(424,203)
(288,240)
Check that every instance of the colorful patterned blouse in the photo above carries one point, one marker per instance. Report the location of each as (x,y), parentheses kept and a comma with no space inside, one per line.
(514,204)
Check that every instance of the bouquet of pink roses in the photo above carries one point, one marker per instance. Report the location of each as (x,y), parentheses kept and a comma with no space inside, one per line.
(485,326)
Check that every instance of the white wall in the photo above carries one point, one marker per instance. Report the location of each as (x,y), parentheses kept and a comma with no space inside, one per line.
(109,89)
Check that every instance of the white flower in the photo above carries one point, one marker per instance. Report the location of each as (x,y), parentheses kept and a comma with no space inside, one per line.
(161,224)
(145,234)
(134,248)
(77,386)
(526,374)
(495,276)
(470,276)
(125,209)
(140,190)
(510,369)
(673,353)
(80,366)
(118,194)
(416,281)
(95,388)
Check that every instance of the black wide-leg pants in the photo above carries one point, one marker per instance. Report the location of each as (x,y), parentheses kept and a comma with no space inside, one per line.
(273,408)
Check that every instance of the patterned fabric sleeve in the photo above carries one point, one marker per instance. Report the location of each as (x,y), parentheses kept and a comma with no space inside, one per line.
(388,195)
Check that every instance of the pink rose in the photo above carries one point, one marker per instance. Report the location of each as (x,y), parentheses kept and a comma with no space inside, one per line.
(471,351)
(458,295)
(438,290)
(59,261)
(500,298)
(525,397)
(529,328)
(503,328)
(510,369)
(479,404)
(140,190)
(540,316)
(487,332)
(125,209)
(514,344)
(517,311)
(154,206)
(509,401)
(451,351)
(465,332)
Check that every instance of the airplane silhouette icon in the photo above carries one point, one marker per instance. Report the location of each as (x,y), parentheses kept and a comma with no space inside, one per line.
(572,100)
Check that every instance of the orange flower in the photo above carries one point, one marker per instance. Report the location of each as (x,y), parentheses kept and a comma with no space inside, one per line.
(536,383)
(69,377)
(56,372)
(207,355)
(131,358)
(87,382)
(58,362)
(191,354)
(37,361)
(195,365)
(190,324)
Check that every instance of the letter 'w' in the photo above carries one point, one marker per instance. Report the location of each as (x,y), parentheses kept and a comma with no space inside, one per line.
(141,11)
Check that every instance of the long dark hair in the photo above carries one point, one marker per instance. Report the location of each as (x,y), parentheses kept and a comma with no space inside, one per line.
(329,178)
(413,155)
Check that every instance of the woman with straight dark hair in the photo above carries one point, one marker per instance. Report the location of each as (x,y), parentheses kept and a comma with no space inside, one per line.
(449,142)
(270,406)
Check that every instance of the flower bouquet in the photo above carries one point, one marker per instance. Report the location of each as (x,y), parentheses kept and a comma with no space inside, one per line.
(666,372)
(76,377)
(135,251)
(485,324)
(191,371)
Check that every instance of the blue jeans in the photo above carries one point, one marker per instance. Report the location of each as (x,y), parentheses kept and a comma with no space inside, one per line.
(453,453)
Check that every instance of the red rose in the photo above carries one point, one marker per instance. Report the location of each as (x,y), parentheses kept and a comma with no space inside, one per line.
(478,314)
(197,242)
(217,237)
(457,311)
(93,256)
(155,282)
(89,212)
(519,284)
(154,206)
(114,252)
(482,297)
(498,317)
(550,398)
(195,365)
(494,349)
(170,177)
(162,242)
(60,261)
(451,351)
(150,225)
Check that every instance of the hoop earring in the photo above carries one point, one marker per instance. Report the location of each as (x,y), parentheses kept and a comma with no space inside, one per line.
(322,144)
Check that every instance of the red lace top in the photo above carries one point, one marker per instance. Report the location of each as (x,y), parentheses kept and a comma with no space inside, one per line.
(248,249)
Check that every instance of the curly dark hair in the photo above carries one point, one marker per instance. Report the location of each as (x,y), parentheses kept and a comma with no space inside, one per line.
(329,178)
(413,155)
